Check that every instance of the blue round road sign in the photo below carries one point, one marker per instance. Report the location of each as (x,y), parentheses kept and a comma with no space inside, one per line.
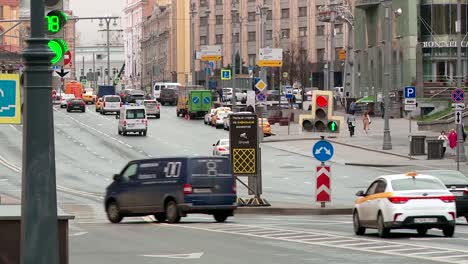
(458,95)
(207,100)
(195,100)
(323,150)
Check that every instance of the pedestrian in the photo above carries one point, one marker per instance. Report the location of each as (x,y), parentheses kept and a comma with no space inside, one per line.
(352,107)
(366,121)
(452,137)
(443,137)
(382,109)
(351,120)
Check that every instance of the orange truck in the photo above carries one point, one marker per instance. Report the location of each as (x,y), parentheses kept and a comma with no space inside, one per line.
(74,88)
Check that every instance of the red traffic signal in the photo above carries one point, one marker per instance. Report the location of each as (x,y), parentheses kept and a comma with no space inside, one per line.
(321,101)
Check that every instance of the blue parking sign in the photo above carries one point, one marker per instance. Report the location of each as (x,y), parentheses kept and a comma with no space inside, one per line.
(410,92)
(10,100)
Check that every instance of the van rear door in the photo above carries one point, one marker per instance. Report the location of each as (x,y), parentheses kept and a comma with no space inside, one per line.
(212,182)
(136,118)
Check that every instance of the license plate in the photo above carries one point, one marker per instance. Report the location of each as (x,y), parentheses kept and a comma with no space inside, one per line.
(76,107)
(457,193)
(130,125)
(425,220)
(201,190)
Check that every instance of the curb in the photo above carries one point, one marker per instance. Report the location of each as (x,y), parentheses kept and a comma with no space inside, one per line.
(374,165)
(263,210)
(373,150)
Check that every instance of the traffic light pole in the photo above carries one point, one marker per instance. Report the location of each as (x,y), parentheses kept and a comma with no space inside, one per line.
(461,157)
(39,224)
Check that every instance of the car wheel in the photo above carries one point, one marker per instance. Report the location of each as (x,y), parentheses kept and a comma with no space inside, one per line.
(124,133)
(448,231)
(172,212)
(97,110)
(143,133)
(158,116)
(160,217)
(118,131)
(422,231)
(358,229)
(113,213)
(382,230)
(68,110)
(220,217)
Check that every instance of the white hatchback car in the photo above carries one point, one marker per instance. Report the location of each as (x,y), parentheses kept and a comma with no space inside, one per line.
(411,201)
(221,148)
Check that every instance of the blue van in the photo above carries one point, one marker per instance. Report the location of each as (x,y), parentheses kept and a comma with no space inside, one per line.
(171,188)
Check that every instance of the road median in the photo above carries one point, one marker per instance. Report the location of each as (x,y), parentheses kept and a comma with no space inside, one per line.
(293,209)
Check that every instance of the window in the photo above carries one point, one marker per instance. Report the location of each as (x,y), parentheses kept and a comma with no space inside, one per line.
(285,13)
(338,29)
(416,183)
(135,113)
(381,185)
(371,189)
(269,15)
(251,16)
(202,40)
(302,11)
(269,34)
(302,31)
(1,12)
(252,36)
(285,33)
(320,30)
(204,21)
(320,54)
(129,172)
(236,38)
(202,2)
(219,2)
(219,38)
(252,59)
(219,19)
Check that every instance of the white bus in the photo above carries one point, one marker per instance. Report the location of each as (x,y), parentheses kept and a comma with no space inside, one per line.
(159,86)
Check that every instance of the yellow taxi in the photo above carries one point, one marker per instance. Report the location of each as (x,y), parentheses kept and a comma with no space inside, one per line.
(88,98)
(98,104)
(263,122)
(405,201)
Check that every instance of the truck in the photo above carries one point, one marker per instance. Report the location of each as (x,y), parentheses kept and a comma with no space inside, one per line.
(105,90)
(75,88)
(194,101)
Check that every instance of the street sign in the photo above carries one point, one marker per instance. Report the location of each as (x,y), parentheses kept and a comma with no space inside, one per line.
(195,100)
(261,85)
(206,100)
(458,117)
(210,53)
(62,73)
(67,58)
(261,97)
(243,138)
(198,55)
(459,106)
(410,107)
(410,101)
(323,150)
(285,74)
(10,99)
(289,92)
(225,74)
(410,92)
(458,95)
(270,57)
(323,188)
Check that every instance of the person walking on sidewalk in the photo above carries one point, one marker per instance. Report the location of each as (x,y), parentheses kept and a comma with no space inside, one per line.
(366,121)
(351,121)
(452,137)
(382,109)
(443,137)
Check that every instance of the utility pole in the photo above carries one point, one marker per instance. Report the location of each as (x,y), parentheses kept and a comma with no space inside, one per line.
(331,67)
(193,12)
(207,12)
(461,157)
(234,13)
(39,224)
(387,80)
(94,71)
(262,9)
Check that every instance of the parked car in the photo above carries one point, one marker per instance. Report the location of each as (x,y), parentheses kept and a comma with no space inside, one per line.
(217,120)
(76,105)
(208,116)
(221,148)
(171,188)
(64,99)
(153,108)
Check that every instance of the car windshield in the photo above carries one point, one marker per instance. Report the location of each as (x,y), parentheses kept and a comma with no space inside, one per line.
(415,183)
(113,99)
(448,177)
(206,167)
(135,113)
(224,142)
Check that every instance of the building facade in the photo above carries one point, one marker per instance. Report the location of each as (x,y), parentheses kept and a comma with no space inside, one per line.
(10,41)
(424,45)
(135,12)
(290,25)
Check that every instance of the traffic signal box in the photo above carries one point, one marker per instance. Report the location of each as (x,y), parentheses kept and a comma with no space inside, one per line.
(321,119)
(55,20)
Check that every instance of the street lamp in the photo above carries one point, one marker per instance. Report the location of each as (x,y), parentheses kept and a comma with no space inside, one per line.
(192,13)
(108,20)
(387,80)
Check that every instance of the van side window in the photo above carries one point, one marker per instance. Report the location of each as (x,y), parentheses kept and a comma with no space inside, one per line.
(130,172)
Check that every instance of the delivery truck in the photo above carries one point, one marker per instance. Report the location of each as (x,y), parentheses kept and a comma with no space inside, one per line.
(194,101)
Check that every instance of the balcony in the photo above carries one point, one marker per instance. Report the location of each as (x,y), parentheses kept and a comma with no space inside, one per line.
(367,3)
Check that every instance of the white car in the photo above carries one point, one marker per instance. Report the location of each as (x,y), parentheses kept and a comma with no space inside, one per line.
(132,119)
(410,201)
(64,100)
(208,116)
(221,148)
(110,103)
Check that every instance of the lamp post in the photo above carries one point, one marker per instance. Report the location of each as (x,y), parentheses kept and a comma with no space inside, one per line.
(461,157)
(207,12)
(234,14)
(108,20)
(193,12)
(387,80)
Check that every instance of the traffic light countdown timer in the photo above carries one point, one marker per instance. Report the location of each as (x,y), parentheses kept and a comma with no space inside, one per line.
(55,21)
(321,118)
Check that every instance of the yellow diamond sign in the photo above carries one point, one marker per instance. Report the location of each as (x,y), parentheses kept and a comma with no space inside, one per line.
(261,85)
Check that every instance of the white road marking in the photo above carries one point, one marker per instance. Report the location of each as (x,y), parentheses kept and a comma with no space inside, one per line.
(177,256)
(78,234)
(308,183)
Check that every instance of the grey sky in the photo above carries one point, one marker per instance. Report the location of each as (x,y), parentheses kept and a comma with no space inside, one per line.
(88,31)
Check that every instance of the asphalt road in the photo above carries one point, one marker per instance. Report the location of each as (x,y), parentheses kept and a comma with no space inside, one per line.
(89,151)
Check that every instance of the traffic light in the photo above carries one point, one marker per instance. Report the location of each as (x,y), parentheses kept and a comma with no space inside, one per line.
(321,118)
(55,22)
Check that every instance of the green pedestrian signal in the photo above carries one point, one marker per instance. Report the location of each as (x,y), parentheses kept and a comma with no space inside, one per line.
(55,20)
(332,126)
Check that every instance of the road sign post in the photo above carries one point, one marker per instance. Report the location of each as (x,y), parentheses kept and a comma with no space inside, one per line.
(458,96)
(323,184)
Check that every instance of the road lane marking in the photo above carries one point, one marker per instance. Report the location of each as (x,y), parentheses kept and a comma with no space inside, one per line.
(177,256)
(78,234)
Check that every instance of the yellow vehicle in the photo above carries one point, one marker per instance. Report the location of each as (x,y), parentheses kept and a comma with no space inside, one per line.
(266,126)
(88,98)
(98,104)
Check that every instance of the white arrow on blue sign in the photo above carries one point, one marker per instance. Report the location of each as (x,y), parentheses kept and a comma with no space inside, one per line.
(323,150)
